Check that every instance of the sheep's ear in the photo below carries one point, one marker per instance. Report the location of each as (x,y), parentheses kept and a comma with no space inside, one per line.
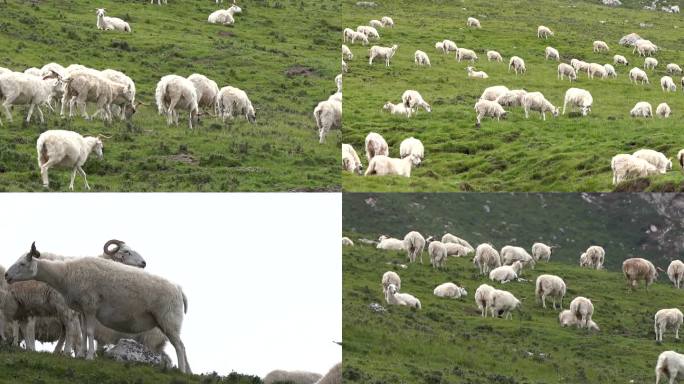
(33,252)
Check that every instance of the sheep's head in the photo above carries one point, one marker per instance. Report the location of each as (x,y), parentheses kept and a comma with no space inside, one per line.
(428,107)
(555,111)
(95,146)
(251,115)
(100,12)
(415,160)
(585,110)
(388,106)
(235,9)
(25,268)
(392,289)
(463,291)
(120,252)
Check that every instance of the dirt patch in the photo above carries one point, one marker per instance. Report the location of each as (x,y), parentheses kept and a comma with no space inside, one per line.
(299,70)
(183,158)
(226,34)
(638,185)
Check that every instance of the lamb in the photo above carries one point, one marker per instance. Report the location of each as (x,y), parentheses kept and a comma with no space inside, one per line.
(232,101)
(600,46)
(174,92)
(413,100)
(207,92)
(610,70)
(438,254)
(619,59)
(544,32)
(595,255)
(350,159)
(22,89)
(636,269)
(449,238)
(65,149)
(438,46)
(358,36)
(541,251)
(551,53)
(657,159)
(494,92)
(382,53)
(465,54)
(107,23)
(583,309)
(397,109)
(472,73)
(98,297)
(506,273)
(518,65)
(512,98)
(550,286)
(494,56)
(368,31)
(414,243)
(486,257)
(488,108)
(390,244)
(636,74)
(450,290)
(671,365)
(579,65)
(483,298)
(449,46)
(642,109)
(327,114)
(375,145)
(382,165)
(597,69)
(224,16)
(347,242)
(667,84)
(457,250)
(395,298)
(673,68)
(473,22)
(387,21)
(375,23)
(650,63)
(627,167)
(412,146)
(511,254)
(390,277)
(421,58)
(347,53)
(503,303)
(675,271)
(125,101)
(291,377)
(664,317)
(535,101)
(577,97)
(567,318)
(644,47)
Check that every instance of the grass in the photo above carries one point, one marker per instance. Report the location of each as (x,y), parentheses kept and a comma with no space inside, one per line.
(279,153)
(569,153)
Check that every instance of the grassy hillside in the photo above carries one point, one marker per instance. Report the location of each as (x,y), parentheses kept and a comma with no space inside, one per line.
(279,52)
(569,153)
(19,366)
(448,342)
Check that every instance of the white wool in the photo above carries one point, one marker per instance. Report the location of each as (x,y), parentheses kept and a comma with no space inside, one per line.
(375,145)
(350,159)
(494,56)
(465,54)
(450,290)
(578,98)
(412,146)
(535,101)
(663,110)
(551,53)
(600,46)
(397,109)
(517,64)
(382,165)
(385,53)
(636,74)
(487,108)
(657,159)
(493,92)
(642,109)
(512,98)
(421,58)
(667,84)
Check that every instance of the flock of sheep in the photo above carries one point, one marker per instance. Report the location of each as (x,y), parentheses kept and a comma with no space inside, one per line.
(508,265)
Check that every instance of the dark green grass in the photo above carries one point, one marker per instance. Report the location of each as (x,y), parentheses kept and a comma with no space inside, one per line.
(564,154)
(279,153)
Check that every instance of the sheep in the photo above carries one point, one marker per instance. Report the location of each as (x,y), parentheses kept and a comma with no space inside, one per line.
(448,46)
(65,149)
(412,146)
(488,108)
(224,16)
(22,89)
(626,166)
(503,303)
(177,92)
(327,114)
(397,109)
(518,65)
(232,101)
(600,46)
(33,71)
(338,84)
(636,269)
(159,2)
(680,158)
(449,238)
(512,98)
(395,298)
(383,53)
(88,85)
(597,69)
(438,46)
(347,34)
(636,74)
(412,99)
(438,254)
(291,377)
(5,70)
(414,243)
(494,56)
(544,32)
(347,242)
(541,251)
(207,91)
(465,54)
(506,273)
(667,84)
(457,250)
(550,286)
(347,53)
(382,165)
(473,23)
(579,65)
(644,47)
(358,36)
(492,93)
(583,309)
(421,58)
(551,53)
(584,260)
(368,31)
(94,287)
(350,159)
(675,272)
(577,97)
(610,70)
(387,21)
(673,68)
(567,318)
(450,290)
(535,101)
(596,255)
(657,159)
(472,73)
(642,109)
(107,23)
(390,244)
(664,317)
(510,254)
(390,277)
(375,23)
(126,102)
(619,59)
(486,257)
(650,63)
(671,365)
(375,145)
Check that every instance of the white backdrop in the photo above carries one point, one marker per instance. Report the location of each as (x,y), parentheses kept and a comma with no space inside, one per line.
(262,272)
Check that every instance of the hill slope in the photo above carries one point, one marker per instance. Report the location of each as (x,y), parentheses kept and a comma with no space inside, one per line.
(568,153)
(279,52)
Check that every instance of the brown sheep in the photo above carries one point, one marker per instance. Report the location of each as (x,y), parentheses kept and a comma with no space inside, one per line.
(636,269)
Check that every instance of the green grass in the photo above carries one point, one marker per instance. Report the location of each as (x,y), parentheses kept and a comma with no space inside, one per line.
(569,153)
(279,153)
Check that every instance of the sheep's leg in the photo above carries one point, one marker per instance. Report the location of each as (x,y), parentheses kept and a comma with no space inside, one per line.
(40,113)
(677,332)
(73,176)
(175,340)
(655,330)
(30,112)
(30,334)
(674,372)
(60,342)
(15,333)
(89,333)
(85,179)
(7,104)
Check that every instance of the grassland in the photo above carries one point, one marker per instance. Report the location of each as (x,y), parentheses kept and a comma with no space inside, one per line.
(279,52)
(569,153)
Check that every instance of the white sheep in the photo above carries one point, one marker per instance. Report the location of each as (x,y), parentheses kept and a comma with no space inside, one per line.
(503,303)
(395,298)
(657,159)
(518,65)
(619,59)
(486,258)
(369,31)
(667,84)
(535,101)
(596,255)
(448,46)
(23,89)
(382,165)
(390,277)
(450,290)
(510,254)
(596,69)
(642,109)
(645,47)
(494,56)
(413,100)
(544,32)
(626,167)
(125,101)
(541,251)
(636,74)
(350,159)
(472,73)
(375,23)
(512,98)
(232,101)
(438,254)
(5,70)
(580,98)
(550,286)
(385,53)
(375,145)
(465,54)
(671,365)
(421,58)
(579,65)
(600,46)
(506,273)
(347,242)
(567,318)
(449,238)
(57,148)
(207,92)
(387,21)
(675,272)
(438,46)
(86,85)
(414,243)
(412,146)
(224,16)
(650,63)
(493,92)
(457,250)
(347,53)
(107,23)
(358,36)
(551,53)
(583,309)
(94,287)
(610,70)
(176,92)
(291,377)
(328,116)
(473,22)
(486,108)
(673,68)
(667,317)
(397,109)
(390,244)
(483,298)
(347,34)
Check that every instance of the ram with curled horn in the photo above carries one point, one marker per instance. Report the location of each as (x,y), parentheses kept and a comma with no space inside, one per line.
(120,252)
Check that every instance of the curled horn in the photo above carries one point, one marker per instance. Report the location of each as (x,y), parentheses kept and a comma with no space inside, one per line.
(660,269)
(118,244)
(101,136)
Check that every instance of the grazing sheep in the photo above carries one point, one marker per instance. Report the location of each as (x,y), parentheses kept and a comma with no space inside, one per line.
(358,36)
(503,303)
(413,100)
(450,290)
(619,59)
(390,277)
(626,166)
(673,68)
(58,148)
(390,244)
(395,298)
(473,22)
(347,53)
(89,85)
(207,92)
(671,365)
(664,317)
(518,65)
(645,47)
(551,53)
(600,46)
(567,318)
(483,298)
(512,98)
(412,146)
(465,54)
(457,250)
(421,58)
(636,269)
(596,255)
(583,309)
(125,101)
(486,258)
(375,23)
(657,159)
(382,53)
(650,63)
(597,70)
(486,108)
(541,251)
(387,21)
(107,23)
(494,56)
(448,46)
(472,73)
(506,273)
(667,84)
(224,16)
(675,271)
(347,242)
(175,92)
(327,114)
(438,254)
(636,74)
(369,31)
(350,159)
(347,34)
(449,238)
(22,89)
(550,286)
(397,109)
(577,97)
(375,145)
(536,101)
(438,46)
(579,65)
(510,254)
(544,32)
(492,93)
(292,377)
(233,102)
(584,260)
(414,243)
(642,109)
(610,70)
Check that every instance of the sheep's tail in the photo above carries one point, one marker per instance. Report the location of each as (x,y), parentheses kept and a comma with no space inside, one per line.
(538,289)
(318,116)
(185,300)
(159,97)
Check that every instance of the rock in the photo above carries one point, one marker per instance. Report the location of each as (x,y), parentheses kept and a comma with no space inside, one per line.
(131,350)
(377,308)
